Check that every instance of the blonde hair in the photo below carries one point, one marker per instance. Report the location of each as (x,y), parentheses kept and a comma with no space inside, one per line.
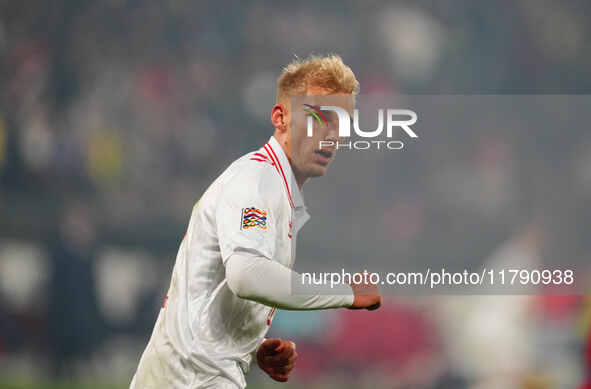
(316,71)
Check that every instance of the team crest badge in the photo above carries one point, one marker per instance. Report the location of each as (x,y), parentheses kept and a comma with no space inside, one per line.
(253,218)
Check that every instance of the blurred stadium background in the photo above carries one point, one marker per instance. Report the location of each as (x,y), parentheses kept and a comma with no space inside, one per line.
(116,115)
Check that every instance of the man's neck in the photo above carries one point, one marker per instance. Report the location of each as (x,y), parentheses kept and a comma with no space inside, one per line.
(300,180)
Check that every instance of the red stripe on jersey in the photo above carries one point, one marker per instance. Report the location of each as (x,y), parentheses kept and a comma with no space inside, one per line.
(263,160)
(283,174)
(263,156)
(270,316)
(276,160)
(274,164)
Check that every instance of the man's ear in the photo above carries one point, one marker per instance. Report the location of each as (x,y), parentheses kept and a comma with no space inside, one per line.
(279,117)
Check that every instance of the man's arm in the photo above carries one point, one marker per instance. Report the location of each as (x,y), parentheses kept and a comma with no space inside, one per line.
(259,279)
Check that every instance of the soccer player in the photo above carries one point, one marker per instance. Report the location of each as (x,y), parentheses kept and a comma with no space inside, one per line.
(233,268)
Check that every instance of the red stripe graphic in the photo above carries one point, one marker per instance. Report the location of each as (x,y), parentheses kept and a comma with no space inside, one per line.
(274,164)
(266,160)
(267,151)
(270,316)
(276,160)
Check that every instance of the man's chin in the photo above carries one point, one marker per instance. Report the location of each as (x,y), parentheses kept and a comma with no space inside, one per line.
(317,171)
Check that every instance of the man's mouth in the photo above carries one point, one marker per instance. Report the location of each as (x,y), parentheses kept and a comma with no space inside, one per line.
(325,152)
(323,156)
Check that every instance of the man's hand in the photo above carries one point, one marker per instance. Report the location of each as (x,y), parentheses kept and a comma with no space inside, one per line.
(277,357)
(367,296)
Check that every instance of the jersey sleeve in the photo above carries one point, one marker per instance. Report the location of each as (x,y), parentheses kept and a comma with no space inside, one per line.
(248,212)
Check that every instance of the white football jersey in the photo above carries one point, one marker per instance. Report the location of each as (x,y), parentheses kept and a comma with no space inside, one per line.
(205,336)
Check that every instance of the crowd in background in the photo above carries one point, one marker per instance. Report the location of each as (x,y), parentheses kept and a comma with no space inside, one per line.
(116,115)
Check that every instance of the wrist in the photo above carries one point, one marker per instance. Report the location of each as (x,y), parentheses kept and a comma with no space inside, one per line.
(350,298)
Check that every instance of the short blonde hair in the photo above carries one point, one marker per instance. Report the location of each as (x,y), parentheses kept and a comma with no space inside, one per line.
(316,71)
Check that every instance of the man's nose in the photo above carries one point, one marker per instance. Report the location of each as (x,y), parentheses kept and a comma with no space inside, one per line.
(333,133)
